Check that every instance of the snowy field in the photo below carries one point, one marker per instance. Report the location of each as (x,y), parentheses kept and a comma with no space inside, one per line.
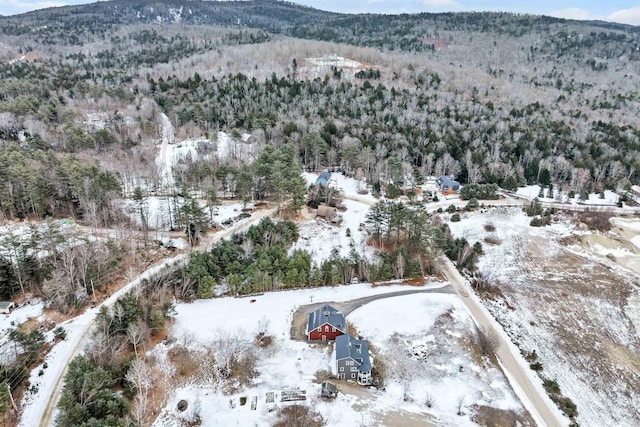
(292,364)
(158,210)
(532,191)
(569,303)
(319,238)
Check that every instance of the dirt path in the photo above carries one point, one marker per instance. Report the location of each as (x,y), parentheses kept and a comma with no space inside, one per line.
(84,324)
(301,315)
(539,405)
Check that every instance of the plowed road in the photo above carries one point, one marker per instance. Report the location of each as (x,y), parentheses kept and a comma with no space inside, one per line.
(539,405)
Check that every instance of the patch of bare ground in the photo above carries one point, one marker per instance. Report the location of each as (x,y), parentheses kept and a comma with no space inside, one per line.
(571,311)
(493,417)
(298,415)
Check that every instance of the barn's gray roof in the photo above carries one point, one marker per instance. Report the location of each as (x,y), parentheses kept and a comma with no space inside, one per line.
(348,346)
(326,314)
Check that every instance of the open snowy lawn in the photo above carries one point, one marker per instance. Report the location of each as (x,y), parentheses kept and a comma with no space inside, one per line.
(424,342)
(319,238)
(567,301)
(292,364)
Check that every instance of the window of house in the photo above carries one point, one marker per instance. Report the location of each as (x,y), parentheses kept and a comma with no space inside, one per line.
(341,369)
(353,375)
(319,328)
(326,329)
(333,329)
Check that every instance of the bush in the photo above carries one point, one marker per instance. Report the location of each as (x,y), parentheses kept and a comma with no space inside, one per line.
(472,204)
(568,407)
(551,386)
(455,217)
(536,222)
(452,209)
(536,366)
(534,208)
(492,240)
(59,333)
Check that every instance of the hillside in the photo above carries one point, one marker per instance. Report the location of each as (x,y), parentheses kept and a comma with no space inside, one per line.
(132,130)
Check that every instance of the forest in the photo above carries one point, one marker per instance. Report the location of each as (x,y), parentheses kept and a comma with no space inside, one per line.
(92,96)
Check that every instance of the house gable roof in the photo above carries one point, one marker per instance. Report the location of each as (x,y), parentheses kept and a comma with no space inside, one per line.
(358,350)
(326,314)
(448,182)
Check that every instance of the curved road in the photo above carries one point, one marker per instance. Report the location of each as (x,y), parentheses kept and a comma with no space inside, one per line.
(539,405)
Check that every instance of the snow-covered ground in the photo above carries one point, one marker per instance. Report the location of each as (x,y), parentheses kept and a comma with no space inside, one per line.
(347,186)
(440,366)
(570,304)
(293,364)
(319,238)
(9,322)
(34,404)
(223,148)
(158,211)
(532,191)
(47,233)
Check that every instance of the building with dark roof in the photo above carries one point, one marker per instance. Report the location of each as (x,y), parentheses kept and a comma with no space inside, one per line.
(448,185)
(352,359)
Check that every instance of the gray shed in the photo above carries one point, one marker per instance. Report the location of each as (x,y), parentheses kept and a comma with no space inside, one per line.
(329,390)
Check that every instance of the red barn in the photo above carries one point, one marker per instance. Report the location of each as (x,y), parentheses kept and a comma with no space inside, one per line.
(325,324)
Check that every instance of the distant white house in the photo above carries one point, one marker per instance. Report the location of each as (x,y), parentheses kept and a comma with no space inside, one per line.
(6,307)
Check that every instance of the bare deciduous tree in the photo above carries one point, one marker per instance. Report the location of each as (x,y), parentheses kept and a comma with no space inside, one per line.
(138,333)
(487,340)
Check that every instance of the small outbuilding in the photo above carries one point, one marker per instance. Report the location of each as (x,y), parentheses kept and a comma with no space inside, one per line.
(6,307)
(329,390)
(329,214)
